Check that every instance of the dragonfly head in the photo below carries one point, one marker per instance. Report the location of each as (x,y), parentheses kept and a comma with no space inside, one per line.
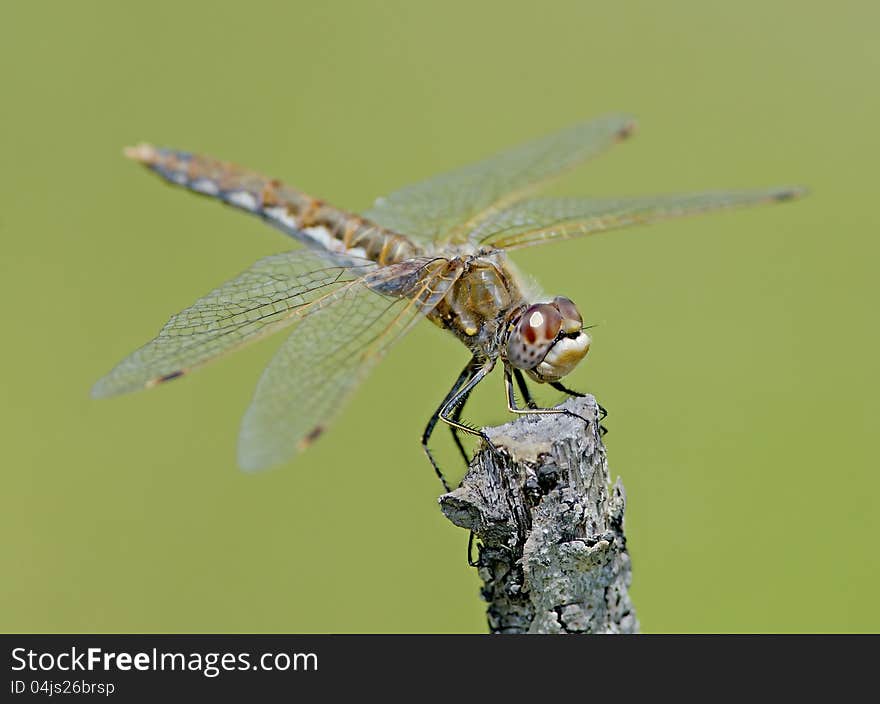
(548,340)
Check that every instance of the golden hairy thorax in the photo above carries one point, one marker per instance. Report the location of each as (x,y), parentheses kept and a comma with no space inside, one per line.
(479,299)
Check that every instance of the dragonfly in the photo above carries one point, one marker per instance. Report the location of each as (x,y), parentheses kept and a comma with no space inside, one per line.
(435,250)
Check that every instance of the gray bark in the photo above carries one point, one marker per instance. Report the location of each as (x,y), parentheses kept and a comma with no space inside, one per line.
(553,555)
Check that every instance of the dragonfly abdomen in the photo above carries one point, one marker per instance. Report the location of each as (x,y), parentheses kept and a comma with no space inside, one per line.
(295,213)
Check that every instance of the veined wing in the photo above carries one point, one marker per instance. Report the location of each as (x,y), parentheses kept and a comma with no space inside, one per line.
(330,352)
(447,207)
(547,219)
(271,294)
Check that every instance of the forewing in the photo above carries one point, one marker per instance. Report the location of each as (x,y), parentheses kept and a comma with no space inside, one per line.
(329,353)
(271,294)
(547,219)
(446,207)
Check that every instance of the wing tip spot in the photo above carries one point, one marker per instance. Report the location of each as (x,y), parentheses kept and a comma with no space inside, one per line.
(165,377)
(787,194)
(627,130)
(310,438)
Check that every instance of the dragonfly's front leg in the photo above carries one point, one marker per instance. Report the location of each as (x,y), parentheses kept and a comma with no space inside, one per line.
(524,389)
(511,400)
(447,412)
(602,412)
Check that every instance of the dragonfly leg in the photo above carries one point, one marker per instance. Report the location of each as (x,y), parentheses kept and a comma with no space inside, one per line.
(470,552)
(455,398)
(602,412)
(524,389)
(471,375)
(512,407)
(450,413)
(456,416)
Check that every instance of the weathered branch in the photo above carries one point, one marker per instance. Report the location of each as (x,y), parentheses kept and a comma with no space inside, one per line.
(553,556)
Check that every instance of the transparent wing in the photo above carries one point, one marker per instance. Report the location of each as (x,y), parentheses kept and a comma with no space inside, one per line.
(547,219)
(329,353)
(271,294)
(446,207)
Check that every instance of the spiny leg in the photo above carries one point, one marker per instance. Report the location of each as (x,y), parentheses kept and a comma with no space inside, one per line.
(456,416)
(465,375)
(512,407)
(470,551)
(455,398)
(524,389)
(602,412)
(473,373)
(454,402)
(571,392)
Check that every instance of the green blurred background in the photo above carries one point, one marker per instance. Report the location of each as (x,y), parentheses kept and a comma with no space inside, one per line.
(735,352)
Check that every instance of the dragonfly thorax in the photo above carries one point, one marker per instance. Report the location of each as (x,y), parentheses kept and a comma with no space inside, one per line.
(478,303)
(547,340)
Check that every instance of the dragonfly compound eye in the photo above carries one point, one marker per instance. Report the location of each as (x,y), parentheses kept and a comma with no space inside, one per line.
(571,317)
(548,340)
(534,335)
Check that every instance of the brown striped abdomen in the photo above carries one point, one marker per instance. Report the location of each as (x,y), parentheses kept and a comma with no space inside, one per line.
(307,219)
